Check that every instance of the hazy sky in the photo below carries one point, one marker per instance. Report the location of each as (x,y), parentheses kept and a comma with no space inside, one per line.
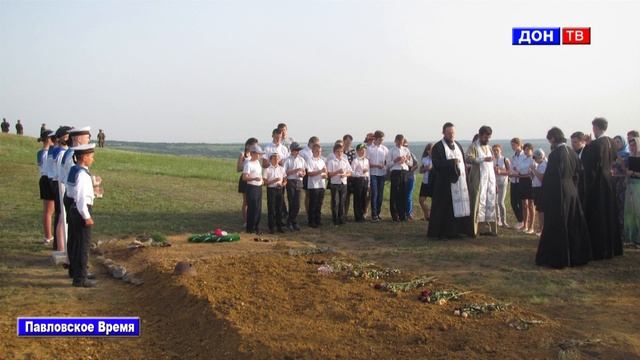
(222,71)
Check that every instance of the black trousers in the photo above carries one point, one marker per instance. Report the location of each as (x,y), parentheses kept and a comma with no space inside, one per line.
(316,197)
(293,196)
(359,197)
(56,215)
(78,246)
(338,202)
(274,206)
(516,201)
(254,207)
(67,202)
(399,189)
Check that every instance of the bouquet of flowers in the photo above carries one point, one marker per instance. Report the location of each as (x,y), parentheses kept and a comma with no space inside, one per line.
(440,297)
(215,236)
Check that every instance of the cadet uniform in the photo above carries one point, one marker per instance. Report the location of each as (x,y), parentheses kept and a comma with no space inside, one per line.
(80,190)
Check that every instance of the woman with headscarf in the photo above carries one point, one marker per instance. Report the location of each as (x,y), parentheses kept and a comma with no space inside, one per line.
(619,172)
(632,197)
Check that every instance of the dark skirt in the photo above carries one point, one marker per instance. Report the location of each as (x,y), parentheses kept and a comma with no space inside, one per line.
(526,190)
(242,185)
(425,190)
(305,182)
(45,188)
(537,198)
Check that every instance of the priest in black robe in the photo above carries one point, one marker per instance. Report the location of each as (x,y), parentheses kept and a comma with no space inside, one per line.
(450,204)
(600,205)
(565,236)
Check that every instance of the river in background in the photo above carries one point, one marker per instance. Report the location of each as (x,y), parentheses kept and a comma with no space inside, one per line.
(231,151)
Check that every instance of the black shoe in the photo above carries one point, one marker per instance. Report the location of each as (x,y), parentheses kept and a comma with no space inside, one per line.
(271,231)
(280,230)
(296,227)
(290,227)
(86,283)
(91,276)
(341,222)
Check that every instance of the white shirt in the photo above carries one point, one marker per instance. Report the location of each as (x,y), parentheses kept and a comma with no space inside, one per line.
(542,167)
(396,152)
(524,165)
(274,172)
(359,165)
(82,193)
(280,149)
(336,164)
(41,159)
(254,170)
(66,166)
(315,182)
(306,153)
(515,164)
(53,160)
(293,163)
(427,163)
(500,163)
(377,155)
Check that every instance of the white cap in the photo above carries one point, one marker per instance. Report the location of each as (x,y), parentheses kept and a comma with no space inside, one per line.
(86,148)
(256,149)
(80,131)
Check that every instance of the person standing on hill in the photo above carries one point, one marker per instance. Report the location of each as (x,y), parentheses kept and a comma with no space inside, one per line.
(101,138)
(399,161)
(81,216)
(252,174)
(242,184)
(43,128)
(450,200)
(600,197)
(501,167)
(377,155)
(514,176)
(565,236)
(482,184)
(5,126)
(46,137)
(19,128)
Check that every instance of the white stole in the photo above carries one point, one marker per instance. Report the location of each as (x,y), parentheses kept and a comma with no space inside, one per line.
(459,190)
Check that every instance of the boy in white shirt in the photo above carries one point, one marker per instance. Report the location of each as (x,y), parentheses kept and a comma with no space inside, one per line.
(399,160)
(275,178)
(295,167)
(360,180)
(538,169)
(317,172)
(339,170)
(377,155)
(252,174)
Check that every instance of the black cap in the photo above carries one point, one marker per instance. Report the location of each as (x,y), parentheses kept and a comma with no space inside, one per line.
(45,134)
(62,131)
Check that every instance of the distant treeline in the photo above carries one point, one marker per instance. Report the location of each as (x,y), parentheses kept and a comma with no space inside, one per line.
(231,151)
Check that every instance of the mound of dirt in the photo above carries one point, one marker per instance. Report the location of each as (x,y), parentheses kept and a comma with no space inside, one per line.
(266,303)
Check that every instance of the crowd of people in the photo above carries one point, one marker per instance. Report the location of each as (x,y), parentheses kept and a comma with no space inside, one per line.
(582,199)
(67,190)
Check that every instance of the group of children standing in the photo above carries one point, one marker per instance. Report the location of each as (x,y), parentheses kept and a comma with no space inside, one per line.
(358,172)
(67,192)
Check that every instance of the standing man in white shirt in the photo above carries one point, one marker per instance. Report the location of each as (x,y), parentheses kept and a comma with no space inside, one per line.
(339,170)
(295,167)
(275,178)
(252,174)
(377,155)
(77,136)
(514,176)
(317,171)
(283,153)
(307,155)
(81,215)
(399,160)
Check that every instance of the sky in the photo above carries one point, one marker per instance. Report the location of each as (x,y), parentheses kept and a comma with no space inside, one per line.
(223,71)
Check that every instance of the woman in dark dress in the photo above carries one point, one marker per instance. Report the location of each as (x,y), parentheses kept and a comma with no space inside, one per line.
(565,238)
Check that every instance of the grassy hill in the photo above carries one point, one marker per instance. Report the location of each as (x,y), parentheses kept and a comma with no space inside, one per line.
(143,193)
